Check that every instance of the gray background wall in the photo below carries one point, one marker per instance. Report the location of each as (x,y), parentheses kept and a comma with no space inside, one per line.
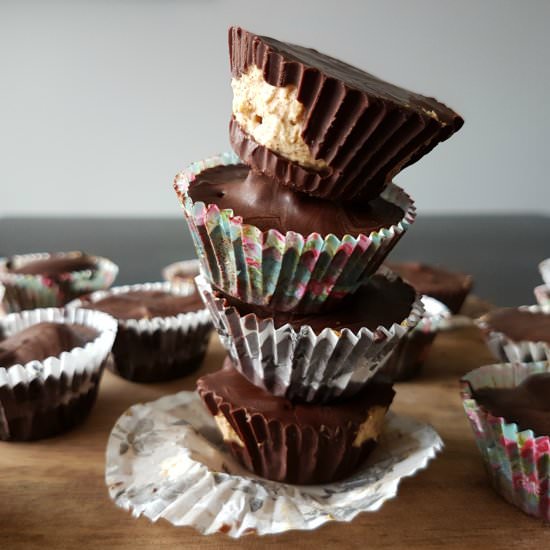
(102,102)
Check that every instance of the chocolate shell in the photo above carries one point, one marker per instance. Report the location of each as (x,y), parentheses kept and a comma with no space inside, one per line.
(301,444)
(364,129)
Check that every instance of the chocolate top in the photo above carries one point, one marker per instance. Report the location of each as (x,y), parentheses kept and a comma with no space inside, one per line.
(43,340)
(527,404)
(352,77)
(228,386)
(145,304)
(54,265)
(381,302)
(520,325)
(269,205)
(427,279)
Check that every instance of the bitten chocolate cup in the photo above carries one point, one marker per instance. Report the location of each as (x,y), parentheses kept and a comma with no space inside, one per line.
(293,443)
(290,271)
(159,348)
(517,334)
(44,398)
(302,363)
(31,290)
(323,127)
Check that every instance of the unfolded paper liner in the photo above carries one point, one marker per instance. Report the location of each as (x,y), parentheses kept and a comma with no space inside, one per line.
(299,364)
(517,462)
(544,269)
(364,139)
(542,294)
(505,349)
(166,459)
(288,272)
(160,348)
(408,357)
(38,291)
(43,398)
(185,271)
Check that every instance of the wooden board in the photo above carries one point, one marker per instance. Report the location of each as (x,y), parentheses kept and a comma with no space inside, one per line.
(53,495)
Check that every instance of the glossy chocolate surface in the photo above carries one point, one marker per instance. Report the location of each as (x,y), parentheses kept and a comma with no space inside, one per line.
(520,325)
(268,205)
(54,265)
(381,302)
(231,387)
(528,405)
(145,304)
(43,340)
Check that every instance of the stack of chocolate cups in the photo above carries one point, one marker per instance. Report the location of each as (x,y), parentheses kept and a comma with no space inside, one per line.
(290,233)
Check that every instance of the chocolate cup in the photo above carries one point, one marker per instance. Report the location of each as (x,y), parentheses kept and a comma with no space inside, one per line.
(298,364)
(365,129)
(42,410)
(44,398)
(158,356)
(161,348)
(293,452)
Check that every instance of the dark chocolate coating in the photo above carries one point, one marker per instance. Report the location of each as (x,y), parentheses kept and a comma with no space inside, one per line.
(292,443)
(268,205)
(55,265)
(366,129)
(528,405)
(43,340)
(145,304)
(381,302)
(519,325)
(449,287)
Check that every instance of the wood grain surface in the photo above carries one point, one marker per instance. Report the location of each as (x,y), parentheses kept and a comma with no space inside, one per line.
(53,495)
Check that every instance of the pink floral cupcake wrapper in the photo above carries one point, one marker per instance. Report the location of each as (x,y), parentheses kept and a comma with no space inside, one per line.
(36,291)
(299,364)
(505,349)
(286,272)
(517,462)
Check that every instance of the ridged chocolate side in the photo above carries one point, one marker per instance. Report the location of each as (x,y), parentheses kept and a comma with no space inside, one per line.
(407,359)
(159,355)
(288,452)
(44,409)
(366,129)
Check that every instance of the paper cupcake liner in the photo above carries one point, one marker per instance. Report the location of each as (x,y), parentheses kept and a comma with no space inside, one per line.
(165,459)
(38,291)
(43,398)
(407,359)
(161,348)
(518,463)
(544,269)
(297,453)
(299,364)
(542,294)
(364,139)
(184,271)
(284,272)
(505,349)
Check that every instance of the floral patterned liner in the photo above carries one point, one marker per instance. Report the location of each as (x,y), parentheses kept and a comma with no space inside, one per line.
(518,462)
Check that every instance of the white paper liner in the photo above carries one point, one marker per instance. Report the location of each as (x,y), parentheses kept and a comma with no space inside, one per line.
(299,364)
(544,269)
(435,317)
(542,294)
(69,371)
(166,459)
(505,349)
(38,291)
(186,271)
(188,330)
